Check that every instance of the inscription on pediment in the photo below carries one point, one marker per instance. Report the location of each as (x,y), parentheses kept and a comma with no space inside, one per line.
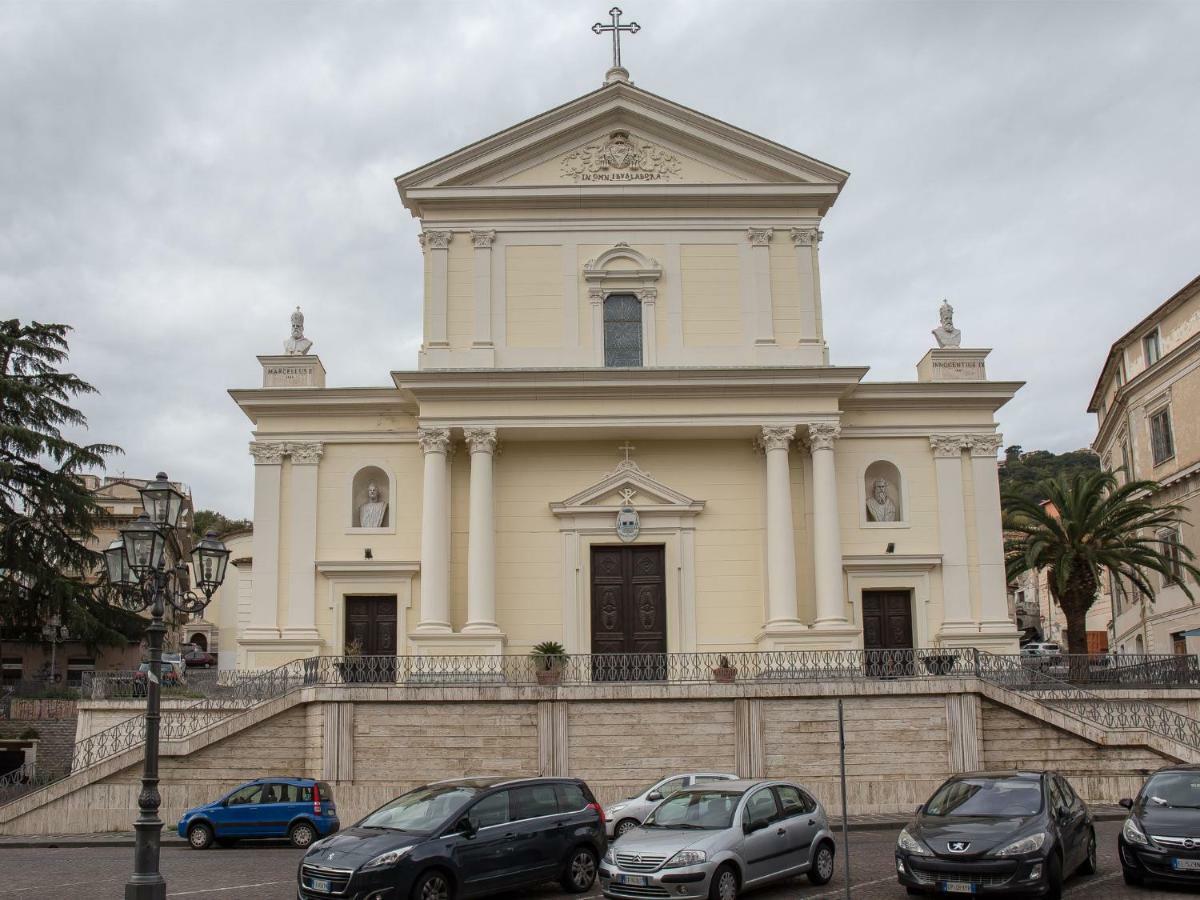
(621,157)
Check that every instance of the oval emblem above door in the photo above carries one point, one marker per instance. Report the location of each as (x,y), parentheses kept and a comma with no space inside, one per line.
(628,524)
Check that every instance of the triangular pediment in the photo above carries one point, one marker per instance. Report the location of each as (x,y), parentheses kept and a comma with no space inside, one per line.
(627,484)
(623,136)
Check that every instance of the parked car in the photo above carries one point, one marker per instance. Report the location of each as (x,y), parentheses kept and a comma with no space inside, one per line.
(1041,650)
(716,839)
(1159,842)
(199,659)
(997,833)
(463,838)
(628,814)
(170,676)
(299,809)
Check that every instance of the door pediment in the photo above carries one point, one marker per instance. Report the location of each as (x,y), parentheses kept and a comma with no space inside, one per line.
(645,493)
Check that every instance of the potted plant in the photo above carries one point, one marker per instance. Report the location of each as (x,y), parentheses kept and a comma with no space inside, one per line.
(351,665)
(724,673)
(550,657)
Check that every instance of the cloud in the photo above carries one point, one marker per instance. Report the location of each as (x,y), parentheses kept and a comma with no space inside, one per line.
(178,175)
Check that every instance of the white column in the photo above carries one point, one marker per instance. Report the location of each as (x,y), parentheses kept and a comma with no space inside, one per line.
(483,287)
(481,539)
(760,261)
(596,300)
(649,297)
(302,553)
(264,610)
(435,536)
(989,532)
(437,244)
(781,537)
(827,529)
(952,530)
(806,241)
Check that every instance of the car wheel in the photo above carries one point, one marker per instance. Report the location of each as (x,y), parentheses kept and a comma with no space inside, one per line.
(580,871)
(1088,866)
(433,886)
(301,835)
(724,885)
(1054,879)
(200,836)
(624,827)
(821,870)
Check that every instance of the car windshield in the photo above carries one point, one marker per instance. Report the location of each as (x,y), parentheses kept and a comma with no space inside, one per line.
(709,810)
(1180,790)
(421,811)
(987,797)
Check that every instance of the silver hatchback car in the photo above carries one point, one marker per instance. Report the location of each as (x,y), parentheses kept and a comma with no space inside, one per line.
(626,815)
(716,839)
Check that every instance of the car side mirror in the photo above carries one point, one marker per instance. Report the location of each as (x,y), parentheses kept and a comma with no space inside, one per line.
(1125,802)
(466,827)
(920,809)
(654,795)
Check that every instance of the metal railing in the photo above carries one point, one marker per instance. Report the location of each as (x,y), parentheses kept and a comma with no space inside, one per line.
(22,780)
(235,692)
(1162,670)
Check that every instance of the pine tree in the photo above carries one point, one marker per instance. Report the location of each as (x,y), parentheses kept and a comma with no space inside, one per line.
(47,514)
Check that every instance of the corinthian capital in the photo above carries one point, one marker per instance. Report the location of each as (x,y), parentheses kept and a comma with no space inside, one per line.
(267,453)
(483,239)
(821,435)
(777,437)
(480,440)
(807,237)
(437,240)
(948,446)
(759,237)
(305,453)
(985,444)
(433,440)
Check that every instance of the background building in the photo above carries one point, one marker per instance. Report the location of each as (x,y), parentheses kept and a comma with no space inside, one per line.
(1147,405)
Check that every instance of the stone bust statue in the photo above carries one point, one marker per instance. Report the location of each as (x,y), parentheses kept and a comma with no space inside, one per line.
(297,344)
(880,507)
(371,514)
(946,334)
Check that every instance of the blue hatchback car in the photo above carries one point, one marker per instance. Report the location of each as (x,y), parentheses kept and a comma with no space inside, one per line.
(299,809)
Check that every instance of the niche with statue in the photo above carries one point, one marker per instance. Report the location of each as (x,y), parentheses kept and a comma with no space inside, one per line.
(370,500)
(884,498)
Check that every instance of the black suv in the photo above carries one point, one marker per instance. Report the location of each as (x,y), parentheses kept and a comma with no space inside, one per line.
(463,838)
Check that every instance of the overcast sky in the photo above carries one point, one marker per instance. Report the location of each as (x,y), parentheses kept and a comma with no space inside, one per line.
(176,177)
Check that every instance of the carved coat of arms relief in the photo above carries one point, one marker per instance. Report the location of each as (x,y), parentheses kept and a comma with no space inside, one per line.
(621,158)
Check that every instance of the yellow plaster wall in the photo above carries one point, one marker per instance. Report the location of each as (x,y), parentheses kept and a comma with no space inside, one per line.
(712,306)
(534,296)
(460,293)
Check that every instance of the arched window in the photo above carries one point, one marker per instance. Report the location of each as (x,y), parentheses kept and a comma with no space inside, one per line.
(622,331)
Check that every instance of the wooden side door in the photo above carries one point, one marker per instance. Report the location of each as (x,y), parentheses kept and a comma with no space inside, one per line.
(888,632)
(629,613)
(371,625)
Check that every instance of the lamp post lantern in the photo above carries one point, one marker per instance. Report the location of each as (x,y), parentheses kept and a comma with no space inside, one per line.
(136,569)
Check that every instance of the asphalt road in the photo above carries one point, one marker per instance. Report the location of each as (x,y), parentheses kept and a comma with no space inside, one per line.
(264,872)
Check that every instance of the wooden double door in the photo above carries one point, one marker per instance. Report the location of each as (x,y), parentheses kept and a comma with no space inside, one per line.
(629,613)
(371,631)
(888,632)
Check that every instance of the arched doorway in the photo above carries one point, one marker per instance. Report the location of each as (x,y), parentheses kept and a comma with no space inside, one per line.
(200,641)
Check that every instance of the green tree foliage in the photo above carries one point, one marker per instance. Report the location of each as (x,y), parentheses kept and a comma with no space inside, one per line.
(46,512)
(1091,526)
(1023,473)
(206,520)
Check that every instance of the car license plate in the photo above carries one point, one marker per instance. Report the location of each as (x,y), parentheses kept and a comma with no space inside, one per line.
(320,884)
(634,880)
(957,887)
(1186,865)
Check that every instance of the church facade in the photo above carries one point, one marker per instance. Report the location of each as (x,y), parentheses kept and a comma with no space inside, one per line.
(624,433)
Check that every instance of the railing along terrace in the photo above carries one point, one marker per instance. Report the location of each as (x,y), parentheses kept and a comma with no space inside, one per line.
(237,691)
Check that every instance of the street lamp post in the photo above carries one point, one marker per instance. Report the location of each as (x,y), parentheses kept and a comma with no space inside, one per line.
(136,567)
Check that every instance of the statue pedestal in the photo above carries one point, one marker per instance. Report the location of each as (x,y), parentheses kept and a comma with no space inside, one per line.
(953,364)
(285,371)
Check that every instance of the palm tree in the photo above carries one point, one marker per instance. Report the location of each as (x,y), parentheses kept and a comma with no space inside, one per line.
(1089,525)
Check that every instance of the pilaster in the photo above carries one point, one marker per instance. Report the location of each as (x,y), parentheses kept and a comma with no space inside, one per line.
(302,555)
(437,244)
(760,261)
(993,583)
(268,466)
(435,536)
(807,265)
(781,539)
(827,529)
(482,337)
(958,624)
(481,537)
